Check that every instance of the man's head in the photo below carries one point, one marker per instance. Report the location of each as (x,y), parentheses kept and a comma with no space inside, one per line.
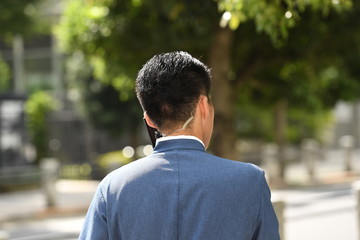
(169,86)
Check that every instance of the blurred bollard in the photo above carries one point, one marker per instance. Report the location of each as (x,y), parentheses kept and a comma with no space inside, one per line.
(269,158)
(4,235)
(279,206)
(356,188)
(347,143)
(310,150)
(49,172)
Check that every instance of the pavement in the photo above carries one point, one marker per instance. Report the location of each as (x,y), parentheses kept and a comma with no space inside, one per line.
(328,201)
(73,197)
(24,215)
(320,212)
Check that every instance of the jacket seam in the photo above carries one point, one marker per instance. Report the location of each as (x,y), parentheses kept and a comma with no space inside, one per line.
(178,197)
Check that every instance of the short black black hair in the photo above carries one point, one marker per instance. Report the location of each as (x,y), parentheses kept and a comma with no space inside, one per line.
(169,85)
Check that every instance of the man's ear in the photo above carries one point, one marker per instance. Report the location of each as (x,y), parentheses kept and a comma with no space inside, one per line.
(204,106)
(148,120)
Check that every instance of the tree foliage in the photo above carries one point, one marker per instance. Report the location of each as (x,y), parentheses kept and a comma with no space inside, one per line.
(275,18)
(280,50)
(312,70)
(17,17)
(38,107)
(256,122)
(117,37)
(100,102)
(4,75)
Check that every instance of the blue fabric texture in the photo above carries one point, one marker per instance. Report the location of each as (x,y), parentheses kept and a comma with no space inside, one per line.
(180,192)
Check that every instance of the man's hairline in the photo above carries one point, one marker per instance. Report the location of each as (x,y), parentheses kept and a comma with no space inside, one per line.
(176,123)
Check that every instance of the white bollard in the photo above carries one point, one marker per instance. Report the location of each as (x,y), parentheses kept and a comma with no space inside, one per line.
(269,156)
(310,150)
(279,206)
(50,172)
(347,143)
(356,188)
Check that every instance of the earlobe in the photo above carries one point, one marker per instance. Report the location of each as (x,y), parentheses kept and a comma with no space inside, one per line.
(148,120)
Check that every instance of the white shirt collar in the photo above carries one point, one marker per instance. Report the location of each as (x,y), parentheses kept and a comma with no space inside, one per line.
(179,137)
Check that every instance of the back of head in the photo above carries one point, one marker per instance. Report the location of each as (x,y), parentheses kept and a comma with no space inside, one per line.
(169,86)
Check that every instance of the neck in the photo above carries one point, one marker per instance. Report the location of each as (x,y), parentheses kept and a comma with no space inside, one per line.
(182,129)
(187,132)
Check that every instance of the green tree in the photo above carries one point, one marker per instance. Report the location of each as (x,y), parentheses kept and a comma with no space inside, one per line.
(4,75)
(275,18)
(117,37)
(38,107)
(101,104)
(270,51)
(20,17)
(308,72)
(17,17)
(119,31)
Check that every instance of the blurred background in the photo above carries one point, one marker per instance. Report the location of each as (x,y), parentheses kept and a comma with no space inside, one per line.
(286,90)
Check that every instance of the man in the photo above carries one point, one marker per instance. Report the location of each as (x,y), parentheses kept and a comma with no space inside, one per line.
(180,191)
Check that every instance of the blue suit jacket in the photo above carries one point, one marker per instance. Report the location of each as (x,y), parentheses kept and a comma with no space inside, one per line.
(182,192)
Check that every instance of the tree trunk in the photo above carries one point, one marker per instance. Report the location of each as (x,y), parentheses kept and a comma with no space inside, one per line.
(134,139)
(224,136)
(280,121)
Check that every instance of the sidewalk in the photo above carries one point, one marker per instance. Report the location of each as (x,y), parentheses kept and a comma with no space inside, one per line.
(328,170)
(328,201)
(74,197)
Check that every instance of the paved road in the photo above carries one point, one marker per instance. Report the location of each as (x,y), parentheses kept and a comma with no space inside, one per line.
(320,213)
(311,214)
(45,229)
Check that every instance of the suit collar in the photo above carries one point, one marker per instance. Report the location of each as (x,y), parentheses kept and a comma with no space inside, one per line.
(180,137)
(172,143)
